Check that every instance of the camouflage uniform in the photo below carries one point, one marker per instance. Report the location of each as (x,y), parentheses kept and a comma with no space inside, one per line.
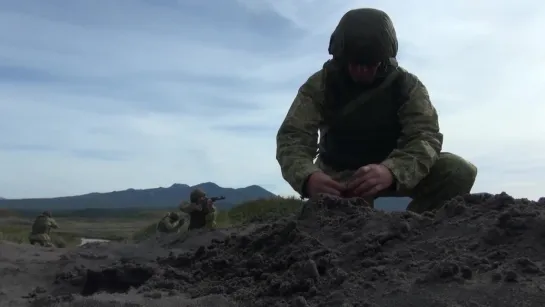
(391,122)
(200,214)
(41,228)
(170,223)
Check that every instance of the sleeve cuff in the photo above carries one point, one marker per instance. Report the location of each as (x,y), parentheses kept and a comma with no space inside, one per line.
(303,177)
(391,165)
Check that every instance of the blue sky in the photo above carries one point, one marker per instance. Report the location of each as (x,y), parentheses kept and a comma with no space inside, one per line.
(108,95)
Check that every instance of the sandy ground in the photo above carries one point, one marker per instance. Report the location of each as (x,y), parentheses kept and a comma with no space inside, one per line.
(90,240)
(479,250)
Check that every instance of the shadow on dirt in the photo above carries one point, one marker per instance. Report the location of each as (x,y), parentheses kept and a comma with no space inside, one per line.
(116,280)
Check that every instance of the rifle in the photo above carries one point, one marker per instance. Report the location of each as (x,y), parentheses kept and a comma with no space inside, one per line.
(213,199)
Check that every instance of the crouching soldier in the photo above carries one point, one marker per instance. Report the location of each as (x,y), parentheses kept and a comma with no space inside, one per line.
(41,228)
(170,223)
(202,211)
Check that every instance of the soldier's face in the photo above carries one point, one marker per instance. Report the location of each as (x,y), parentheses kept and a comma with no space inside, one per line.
(363,73)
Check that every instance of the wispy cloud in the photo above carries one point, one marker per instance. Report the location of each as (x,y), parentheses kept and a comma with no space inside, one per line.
(106,95)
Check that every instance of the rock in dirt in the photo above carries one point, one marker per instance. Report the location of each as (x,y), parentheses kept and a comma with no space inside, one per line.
(478,250)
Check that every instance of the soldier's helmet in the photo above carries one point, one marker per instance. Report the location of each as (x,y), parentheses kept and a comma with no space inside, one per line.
(196,195)
(174,216)
(364,36)
(47,213)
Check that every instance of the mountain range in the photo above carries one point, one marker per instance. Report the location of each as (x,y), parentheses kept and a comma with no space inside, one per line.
(141,198)
(160,198)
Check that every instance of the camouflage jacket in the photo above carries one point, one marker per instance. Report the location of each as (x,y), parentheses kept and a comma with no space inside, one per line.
(417,149)
(192,207)
(43,225)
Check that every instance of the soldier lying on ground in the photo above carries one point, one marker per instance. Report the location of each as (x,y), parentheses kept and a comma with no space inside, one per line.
(379,132)
(170,223)
(41,229)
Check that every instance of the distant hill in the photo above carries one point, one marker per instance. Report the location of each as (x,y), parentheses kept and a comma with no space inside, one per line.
(7,213)
(145,198)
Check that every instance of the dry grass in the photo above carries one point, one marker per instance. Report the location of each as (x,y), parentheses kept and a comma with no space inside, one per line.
(16,229)
(137,225)
(19,234)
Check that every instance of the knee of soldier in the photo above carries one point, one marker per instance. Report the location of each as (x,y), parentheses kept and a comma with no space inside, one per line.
(456,168)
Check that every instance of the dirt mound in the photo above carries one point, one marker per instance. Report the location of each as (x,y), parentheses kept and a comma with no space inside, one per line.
(478,250)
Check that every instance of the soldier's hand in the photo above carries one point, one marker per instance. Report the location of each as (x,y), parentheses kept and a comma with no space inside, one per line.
(370,180)
(321,183)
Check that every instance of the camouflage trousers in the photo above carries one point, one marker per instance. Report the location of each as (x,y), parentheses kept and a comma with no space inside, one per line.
(210,221)
(449,177)
(41,239)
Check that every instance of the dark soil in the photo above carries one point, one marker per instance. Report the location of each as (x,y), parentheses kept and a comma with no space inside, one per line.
(478,250)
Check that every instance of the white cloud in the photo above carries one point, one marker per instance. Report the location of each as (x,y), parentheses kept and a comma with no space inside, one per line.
(152,86)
